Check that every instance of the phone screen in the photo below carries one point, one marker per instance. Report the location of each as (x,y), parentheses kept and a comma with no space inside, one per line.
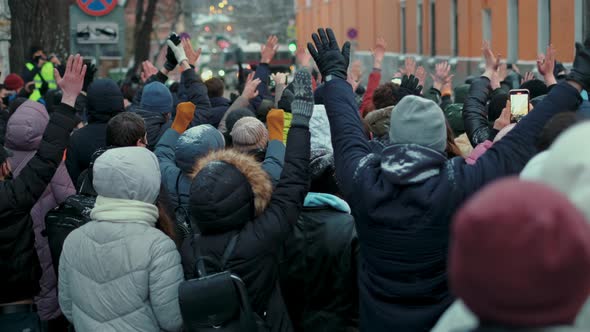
(519,102)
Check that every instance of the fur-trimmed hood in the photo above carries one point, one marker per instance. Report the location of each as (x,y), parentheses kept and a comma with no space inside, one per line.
(229,189)
(378,121)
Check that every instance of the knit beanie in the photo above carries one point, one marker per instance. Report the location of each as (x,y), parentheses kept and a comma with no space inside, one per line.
(236,115)
(416,120)
(523,261)
(156,98)
(105,99)
(13,82)
(249,134)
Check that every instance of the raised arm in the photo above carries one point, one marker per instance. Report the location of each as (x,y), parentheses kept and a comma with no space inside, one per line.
(263,71)
(375,76)
(250,92)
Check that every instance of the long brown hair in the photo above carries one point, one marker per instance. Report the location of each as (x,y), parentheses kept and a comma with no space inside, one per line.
(452,148)
(165,222)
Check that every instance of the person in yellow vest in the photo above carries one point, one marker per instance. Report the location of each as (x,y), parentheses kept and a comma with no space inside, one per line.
(40,71)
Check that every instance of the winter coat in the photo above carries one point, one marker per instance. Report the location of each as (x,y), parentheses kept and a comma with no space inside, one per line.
(319,268)
(372,85)
(3,121)
(256,256)
(213,115)
(403,199)
(475,114)
(155,125)
(25,131)
(19,268)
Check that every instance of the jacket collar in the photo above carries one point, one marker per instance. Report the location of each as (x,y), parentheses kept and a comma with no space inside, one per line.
(410,163)
(313,200)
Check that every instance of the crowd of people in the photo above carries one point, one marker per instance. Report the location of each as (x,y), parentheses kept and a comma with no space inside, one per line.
(317,204)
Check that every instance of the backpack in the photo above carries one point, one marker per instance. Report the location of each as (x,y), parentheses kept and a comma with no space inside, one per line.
(183,221)
(216,302)
(61,221)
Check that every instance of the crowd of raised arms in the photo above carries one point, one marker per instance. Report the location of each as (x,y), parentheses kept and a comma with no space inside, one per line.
(314,205)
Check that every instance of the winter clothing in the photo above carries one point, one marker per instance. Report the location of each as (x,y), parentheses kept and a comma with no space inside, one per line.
(25,131)
(378,122)
(461,93)
(249,134)
(119,272)
(497,104)
(155,125)
(454,114)
(533,169)
(318,271)
(549,241)
(185,112)
(416,120)
(536,88)
(13,82)
(105,100)
(474,112)
(20,270)
(478,152)
(156,98)
(275,121)
(404,241)
(372,85)
(194,90)
(274,160)
(213,115)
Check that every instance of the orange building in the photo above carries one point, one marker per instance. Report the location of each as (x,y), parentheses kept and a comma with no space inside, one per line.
(450,29)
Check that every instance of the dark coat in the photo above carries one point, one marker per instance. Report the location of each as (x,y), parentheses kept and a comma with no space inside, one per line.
(403,200)
(475,115)
(3,121)
(213,115)
(256,255)
(155,125)
(319,269)
(19,266)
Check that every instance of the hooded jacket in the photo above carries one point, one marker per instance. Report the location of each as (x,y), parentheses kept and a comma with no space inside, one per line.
(24,134)
(403,199)
(319,268)
(156,125)
(242,201)
(213,115)
(475,114)
(119,272)
(19,267)
(105,100)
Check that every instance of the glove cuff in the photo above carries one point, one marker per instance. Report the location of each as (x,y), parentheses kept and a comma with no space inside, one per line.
(302,111)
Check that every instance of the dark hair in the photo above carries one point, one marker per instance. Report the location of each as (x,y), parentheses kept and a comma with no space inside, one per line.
(34,49)
(554,127)
(129,87)
(536,88)
(325,182)
(215,87)
(125,129)
(497,104)
(165,222)
(384,95)
(15,104)
(452,149)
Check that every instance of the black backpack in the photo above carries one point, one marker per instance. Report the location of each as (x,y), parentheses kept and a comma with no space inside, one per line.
(61,221)
(216,302)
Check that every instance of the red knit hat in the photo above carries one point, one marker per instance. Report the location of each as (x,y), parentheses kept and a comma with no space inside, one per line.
(13,82)
(523,261)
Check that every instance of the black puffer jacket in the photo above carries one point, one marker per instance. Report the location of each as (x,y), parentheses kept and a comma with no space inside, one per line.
(155,125)
(475,112)
(224,209)
(19,264)
(3,122)
(319,269)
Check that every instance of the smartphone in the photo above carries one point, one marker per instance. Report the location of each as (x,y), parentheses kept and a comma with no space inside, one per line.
(519,101)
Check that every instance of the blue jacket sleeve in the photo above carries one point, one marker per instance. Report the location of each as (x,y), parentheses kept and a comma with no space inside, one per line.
(166,156)
(511,153)
(194,90)
(274,160)
(348,139)
(263,73)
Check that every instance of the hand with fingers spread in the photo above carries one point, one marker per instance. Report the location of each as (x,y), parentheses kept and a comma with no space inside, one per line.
(192,54)
(303,57)
(355,71)
(409,66)
(379,52)
(442,75)
(505,117)
(147,70)
(546,65)
(410,86)
(72,81)
(171,61)
(330,59)
(492,60)
(250,89)
(528,76)
(269,50)
(421,75)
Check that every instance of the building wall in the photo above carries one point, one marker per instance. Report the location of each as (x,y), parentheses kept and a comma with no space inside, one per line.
(374,18)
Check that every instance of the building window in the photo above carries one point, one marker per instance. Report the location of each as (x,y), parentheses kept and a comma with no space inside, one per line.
(544,25)
(432,28)
(403,27)
(454,28)
(513,31)
(487,24)
(420,27)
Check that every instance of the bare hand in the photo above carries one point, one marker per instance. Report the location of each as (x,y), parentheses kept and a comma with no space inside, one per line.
(191,54)
(279,78)
(379,52)
(303,57)
(354,83)
(492,61)
(269,50)
(504,119)
(356,70)
(410,67)
(421,75)
(502,71)
(546,62)
(442,75)
(495,80)
(250,90)
(528,76)
(73,79)
(147,70)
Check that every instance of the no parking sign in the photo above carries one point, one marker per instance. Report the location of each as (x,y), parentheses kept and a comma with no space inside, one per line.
(97,7)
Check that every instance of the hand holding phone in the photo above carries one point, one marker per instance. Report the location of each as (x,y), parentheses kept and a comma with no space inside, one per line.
(519,101)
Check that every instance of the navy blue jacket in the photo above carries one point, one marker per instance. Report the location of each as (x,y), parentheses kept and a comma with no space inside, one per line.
(213,115)
(403,199)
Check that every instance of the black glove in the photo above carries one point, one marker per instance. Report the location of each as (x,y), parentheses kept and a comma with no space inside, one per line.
(327,55)
(410,86)
(171,61)
(580,73)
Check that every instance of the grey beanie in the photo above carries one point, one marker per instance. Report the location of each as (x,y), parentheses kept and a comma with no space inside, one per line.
(416,120)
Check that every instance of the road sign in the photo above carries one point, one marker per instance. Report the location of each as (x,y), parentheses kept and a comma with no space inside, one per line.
(97,33)
(352,33)
(97,7)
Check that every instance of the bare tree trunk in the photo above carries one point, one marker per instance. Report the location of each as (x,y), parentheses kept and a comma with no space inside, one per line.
(38,22)
(143,31)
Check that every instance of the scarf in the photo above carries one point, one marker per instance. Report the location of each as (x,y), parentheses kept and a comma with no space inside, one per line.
(124,210)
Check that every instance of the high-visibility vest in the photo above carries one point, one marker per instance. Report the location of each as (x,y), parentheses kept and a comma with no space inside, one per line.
(47,74)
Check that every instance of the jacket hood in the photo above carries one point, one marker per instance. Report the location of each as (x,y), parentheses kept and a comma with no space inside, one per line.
(326,200)
(229,189)
(410,163)
(196,143)
(219,102)
(105,100)
(25,128)
(379,120)
(131,173)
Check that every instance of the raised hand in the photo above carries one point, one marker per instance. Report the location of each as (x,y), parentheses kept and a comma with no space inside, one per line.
(269,50)
(580,73)
(379,52)
(192,54)
(442,74)
(147,70)
(546,65)
(409,66)
(279,78)
(72,81)
(528,76)
(356,70)
(504,119)
(178,50)
(331,61)
(250,89)
(303,57)
(492,60)
(421,75)
(410,86)
(171,61)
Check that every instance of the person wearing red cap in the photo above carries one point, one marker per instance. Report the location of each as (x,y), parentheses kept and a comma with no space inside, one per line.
(13,85)
(522,262)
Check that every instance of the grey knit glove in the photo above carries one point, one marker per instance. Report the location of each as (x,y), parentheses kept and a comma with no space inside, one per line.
(302,106)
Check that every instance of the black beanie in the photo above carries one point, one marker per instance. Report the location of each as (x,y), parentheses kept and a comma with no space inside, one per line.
(497,104)
(105,100)
(536,88)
